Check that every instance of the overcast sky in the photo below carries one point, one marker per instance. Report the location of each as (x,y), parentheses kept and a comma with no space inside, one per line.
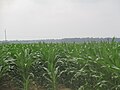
(41,19)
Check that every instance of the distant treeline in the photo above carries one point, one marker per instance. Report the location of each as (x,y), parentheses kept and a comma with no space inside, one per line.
(67,40)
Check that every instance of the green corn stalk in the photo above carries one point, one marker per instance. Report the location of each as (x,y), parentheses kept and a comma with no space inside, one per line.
(3,64)
(51,71)
(22,67)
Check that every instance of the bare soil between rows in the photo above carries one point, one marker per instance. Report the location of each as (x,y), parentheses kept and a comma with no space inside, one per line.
(32,87)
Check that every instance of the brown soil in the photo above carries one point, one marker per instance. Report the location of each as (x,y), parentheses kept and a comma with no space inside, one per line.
(65,89)
(62,87)
(33,86)
(33,89)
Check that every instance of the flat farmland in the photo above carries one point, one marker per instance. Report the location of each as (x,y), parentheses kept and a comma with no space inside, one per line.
(60,66)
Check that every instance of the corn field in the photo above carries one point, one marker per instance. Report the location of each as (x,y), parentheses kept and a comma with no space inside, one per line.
(78,66)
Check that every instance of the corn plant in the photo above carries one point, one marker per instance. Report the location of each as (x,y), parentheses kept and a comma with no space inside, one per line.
(22,67)
(3,63)
(51,71)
